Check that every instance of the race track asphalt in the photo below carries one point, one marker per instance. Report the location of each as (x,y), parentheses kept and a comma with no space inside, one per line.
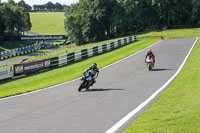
(120,88)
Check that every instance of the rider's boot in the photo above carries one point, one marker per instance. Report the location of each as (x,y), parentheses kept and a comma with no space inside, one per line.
(93,81)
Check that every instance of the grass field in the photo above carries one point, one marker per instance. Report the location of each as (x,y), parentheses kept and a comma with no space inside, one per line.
(48,23)
(173,33)
(57,76)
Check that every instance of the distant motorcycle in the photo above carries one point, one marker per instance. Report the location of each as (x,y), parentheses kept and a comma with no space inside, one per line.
(149,61)
(86,81)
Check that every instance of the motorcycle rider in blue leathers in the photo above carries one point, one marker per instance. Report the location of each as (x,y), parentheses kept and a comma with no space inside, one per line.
(94,71)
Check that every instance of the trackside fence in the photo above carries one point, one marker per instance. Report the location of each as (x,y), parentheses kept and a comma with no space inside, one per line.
(35,66)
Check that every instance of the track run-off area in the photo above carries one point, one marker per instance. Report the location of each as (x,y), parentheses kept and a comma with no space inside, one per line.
(123,91)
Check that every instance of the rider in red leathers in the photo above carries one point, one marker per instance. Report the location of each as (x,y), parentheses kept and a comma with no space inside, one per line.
(150,53)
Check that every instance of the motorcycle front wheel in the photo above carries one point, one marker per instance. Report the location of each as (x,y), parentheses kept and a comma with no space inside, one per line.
(82,85)
(87,85)
(150,67)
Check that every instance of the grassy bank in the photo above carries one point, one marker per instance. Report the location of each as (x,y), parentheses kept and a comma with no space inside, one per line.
(48,23)
(72,71)
(173,33)
(178,108)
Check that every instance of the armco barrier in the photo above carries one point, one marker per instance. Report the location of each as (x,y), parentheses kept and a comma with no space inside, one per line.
(35,66)
(86,53)
(54,61)
(62,60)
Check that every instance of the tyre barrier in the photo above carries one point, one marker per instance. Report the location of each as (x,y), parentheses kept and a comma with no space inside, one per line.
(19,51)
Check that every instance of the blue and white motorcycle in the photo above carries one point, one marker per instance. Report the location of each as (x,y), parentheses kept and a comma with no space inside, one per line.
(86,81)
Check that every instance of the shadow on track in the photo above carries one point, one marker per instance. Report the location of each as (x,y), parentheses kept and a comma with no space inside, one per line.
(101,89)
(161,69)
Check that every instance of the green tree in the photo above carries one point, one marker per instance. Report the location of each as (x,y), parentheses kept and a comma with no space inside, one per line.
(73,24)
(49,6)
(95,20)
(14,19)
(58,6)
(119,20)
(26,7)
(9,17)
(2,25)
(93,17)
(195,14)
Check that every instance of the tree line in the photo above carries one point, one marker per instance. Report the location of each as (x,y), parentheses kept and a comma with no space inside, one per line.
(96,20)
(14,18)
(49,7)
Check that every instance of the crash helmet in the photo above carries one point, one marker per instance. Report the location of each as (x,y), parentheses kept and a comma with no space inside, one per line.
(94,65)
(149,50)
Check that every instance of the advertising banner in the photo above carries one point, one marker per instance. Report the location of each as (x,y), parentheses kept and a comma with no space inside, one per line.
(6,72)
(18,69)
(31,67)
(34,66)
(44,37)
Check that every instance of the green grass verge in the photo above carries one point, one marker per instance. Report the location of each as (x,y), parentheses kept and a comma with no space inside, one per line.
(2,48)
(178,108)
(70,72)
(48,23)
(173,33)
